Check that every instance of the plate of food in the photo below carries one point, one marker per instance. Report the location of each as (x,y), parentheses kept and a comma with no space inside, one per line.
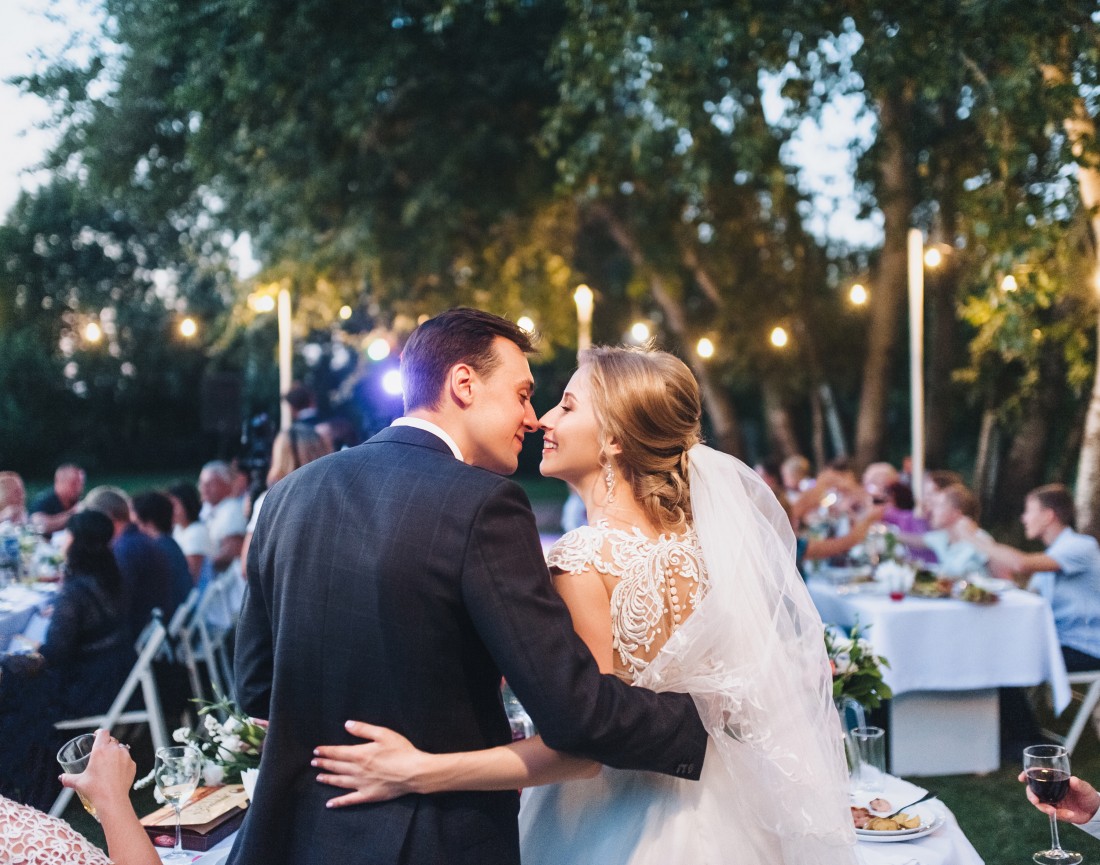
(928,584)
(873,824)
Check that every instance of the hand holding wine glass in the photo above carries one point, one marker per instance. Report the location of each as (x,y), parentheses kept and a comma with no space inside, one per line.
(177,773)
(1079,806)
(1046,768)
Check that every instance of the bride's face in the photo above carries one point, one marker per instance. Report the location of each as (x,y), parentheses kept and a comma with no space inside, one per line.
(571,436)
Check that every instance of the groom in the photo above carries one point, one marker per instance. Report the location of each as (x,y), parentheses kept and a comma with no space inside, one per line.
(394,583)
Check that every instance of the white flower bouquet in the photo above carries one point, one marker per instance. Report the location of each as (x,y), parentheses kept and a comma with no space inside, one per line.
(229,748)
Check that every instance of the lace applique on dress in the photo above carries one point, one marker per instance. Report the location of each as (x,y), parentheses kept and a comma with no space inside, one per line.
(30,837)
(656,585)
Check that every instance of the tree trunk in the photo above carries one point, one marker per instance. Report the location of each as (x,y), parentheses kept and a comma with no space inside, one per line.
(818,437)
(1080,129)
(832,418)
(986,464)
(1025,464)
(895,197)
(780,428)
(1088,466)
(717,403)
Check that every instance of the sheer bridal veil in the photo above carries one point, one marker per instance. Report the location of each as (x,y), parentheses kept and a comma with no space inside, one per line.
(752,655)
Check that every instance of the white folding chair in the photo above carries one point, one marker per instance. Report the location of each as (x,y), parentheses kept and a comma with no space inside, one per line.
(211,624)
(148,645)
(1089,701)
(180,644)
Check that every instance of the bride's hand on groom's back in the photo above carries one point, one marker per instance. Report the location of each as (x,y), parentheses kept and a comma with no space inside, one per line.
(384,767)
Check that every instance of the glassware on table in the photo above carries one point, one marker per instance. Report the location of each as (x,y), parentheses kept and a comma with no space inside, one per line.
(73,757)
(1047,770)
(869,755)
(177,773)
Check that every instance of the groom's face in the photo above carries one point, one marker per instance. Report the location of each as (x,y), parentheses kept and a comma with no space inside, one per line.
(502,414)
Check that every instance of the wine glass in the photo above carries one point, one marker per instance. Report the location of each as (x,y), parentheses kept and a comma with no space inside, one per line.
(177,772)
(1047,770)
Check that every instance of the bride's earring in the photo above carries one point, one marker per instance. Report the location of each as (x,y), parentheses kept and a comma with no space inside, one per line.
(609,480)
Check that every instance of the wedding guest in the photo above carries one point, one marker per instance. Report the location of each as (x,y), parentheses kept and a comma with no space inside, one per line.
(936,481)
(13,499)
(339,432)
(795,474)
(303,404)
(1066,573)
(954,514)
(29,837)
(876,478)
(223,514)
(1081,805)
(146,571)
(189,531)
(152,514)
(51,509)
(291,449)
(78,669)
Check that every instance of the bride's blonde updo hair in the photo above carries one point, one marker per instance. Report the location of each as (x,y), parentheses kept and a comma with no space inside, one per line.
(648,403)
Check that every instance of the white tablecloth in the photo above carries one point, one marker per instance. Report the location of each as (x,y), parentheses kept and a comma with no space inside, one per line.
(946,846)
(18,604)
(951,645)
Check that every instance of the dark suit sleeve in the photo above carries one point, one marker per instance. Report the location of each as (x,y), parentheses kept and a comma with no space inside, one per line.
(528,630)
(253,653)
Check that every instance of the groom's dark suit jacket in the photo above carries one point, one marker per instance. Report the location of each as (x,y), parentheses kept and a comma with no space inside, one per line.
(393,584)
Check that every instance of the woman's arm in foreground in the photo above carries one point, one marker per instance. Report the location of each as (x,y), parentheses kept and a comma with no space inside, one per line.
(106,782)
(388,766)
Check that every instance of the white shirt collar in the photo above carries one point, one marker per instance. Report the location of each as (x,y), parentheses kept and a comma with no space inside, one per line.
(432,428)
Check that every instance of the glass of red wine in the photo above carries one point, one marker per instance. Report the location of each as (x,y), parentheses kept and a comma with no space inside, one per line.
(1047,770)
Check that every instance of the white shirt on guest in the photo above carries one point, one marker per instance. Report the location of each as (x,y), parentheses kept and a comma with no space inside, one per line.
(194,539)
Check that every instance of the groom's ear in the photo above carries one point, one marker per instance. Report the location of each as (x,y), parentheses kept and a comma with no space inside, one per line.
(460,385)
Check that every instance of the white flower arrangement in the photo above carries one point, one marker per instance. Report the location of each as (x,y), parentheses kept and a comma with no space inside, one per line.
(228,747)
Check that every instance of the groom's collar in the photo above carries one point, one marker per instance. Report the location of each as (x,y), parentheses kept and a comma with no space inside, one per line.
(434,429)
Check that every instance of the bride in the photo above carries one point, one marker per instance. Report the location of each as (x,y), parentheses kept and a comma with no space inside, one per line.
(683,580)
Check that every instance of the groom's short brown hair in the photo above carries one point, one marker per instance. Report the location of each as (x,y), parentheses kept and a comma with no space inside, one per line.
(459,335)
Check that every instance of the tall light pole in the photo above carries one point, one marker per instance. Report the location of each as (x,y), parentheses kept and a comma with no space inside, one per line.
(916,358)
(583,298)
(285,365)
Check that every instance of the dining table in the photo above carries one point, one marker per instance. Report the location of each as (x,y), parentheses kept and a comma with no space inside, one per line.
(946,845)
(947,659)
(19,604)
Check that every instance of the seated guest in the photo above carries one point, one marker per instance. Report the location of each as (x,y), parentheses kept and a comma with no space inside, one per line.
(1066,573)
(51,510)
(954,514)
(936,481)
(223,514)
(189,531)
(78,670)
(146,571)
(29,837)
(876,478)
(795,474)
(13,499)
(152,514)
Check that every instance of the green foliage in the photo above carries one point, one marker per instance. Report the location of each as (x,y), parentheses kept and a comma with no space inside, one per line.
(857,670)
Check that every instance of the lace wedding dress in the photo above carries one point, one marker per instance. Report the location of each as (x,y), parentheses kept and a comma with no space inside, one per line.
(721,615)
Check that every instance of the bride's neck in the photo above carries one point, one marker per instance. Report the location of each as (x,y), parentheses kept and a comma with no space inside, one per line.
(620,514)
